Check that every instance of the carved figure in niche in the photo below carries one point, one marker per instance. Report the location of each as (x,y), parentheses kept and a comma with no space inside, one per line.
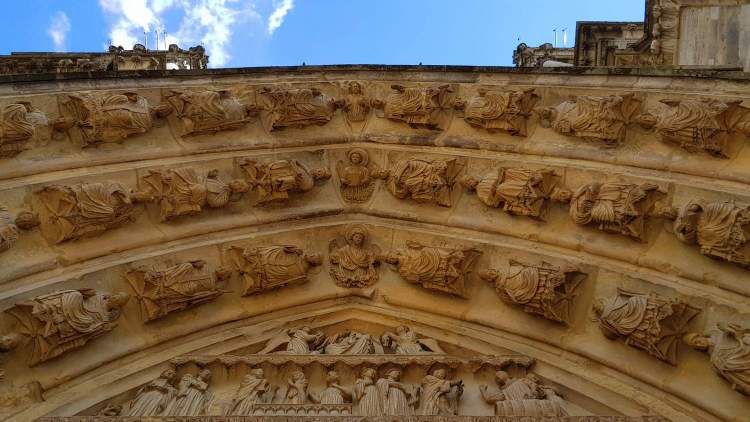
(296,392)
(352,343)
(9,227)
(297,107)
(192,397)
(273,182)
(86,209)
(66,320)
(417,106)
(721,229)
(354,265)
(153,398)
(518,191)
(614,207)
(649,322)
(523,397)
(596,119)
(439,395)
(251,391)
(545,289)
(435,268)
(729,349)
(296,341)
(20,124)
(208,112)
(183,192)
(334,393)
(495,111)
(355,104)
(181,286)
(398,398)
(429,181)
(369,401)
(697,124)
(358,178)
(106,117)
(268,267)
(405,342)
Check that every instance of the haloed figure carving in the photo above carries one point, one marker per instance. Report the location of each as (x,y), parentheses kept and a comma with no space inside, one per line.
(354,265)
(358,177)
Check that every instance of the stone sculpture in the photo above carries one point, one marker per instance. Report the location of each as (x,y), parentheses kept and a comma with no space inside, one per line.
(420,107)
(296,108)
(518,191)
(251,391)
(108,117)
(619,208)
(296,392)
(405,342)
(435,268)
(367,395)
(354,265)
(544,289)
(9,342)
(268,267)
(356,105)
(20,125)
(15,398)
(9,226)
(175,288)
(440,396)
(649,322)
(334,393)
(523,397)
(296,341)
(358,177)
(206,112)
(58,322)
(183,191)
(424,181)
(275,181)
(729,350)
(153,398)
(398,398)
(500,111)
(193,395)
(352,343)
(595,119)
(85,209)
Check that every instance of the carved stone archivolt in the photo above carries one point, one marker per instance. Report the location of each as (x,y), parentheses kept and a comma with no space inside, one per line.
(728,347)
(523,396)
(424,180)
(206,112)
(268,267)
(495,111)
(419,107)
(355,264)
(650,322)
(9,226)
(542,289)
(56,323)
(357,177)
(518,191)
(295,108)
(275,181)
(20,125)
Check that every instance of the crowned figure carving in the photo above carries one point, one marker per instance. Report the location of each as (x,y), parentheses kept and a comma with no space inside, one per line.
(25,220)
(356,105)
(296,108)
(404,341)
(595,119)
(420,107)
(20,124)
(252,390)
(358,177)
(193,395)
(354,264)
(544,289)
(268,267)
(518,191)
(333,393)
(500,110)
(206,112)
(619,208)
(729,350)
(650,322)
(526,396)
(184,191)
(439,395)
(153,398)
(56,323)
(435,268)
(424,180)
(108,117)
(275,181)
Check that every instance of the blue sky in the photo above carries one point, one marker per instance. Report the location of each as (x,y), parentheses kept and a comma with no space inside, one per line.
(240,33)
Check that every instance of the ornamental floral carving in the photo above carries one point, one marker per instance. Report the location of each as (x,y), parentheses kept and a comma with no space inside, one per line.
(295,108)
(495,111)
(206,112)
(193,395)
(153,398)
(268,267)
(275,181)
(358,177)
(354,265)
(424,180)
(25,220)
(419,107)
(20,125)
(526,396)
(56,323)
(729,350)
(652,322)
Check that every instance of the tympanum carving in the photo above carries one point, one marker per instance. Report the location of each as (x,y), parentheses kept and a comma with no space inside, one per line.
(525,396)
(354,264)
(20,125)
(206,112)
(192,397)
(500,110)
(425,181)
(358,177)
(152,399)
(275,181)
(268,267)
(729,350)
(296,108)
(420,107)
(9,226)
(404,341)
(439,395)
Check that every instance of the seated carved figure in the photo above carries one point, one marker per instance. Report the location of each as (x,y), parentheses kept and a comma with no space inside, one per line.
(518,191)
(183,191)
(208,112)
(175,288)
(429,181)
(523,397)
(614,207)
(9,226)
(544,289)
(405,342)
(596,119)
(649,322)
(273,182)
(296,341)
(268,267)
(507,111)
(417,106)
(66,320)
(85,209)
(358,177)
(435,268)
(297,107)
(101,118)
(20,124)
(356,105)
(729,349)
(354,265)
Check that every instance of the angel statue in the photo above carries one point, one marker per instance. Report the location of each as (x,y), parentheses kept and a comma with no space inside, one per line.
(405,342)
(296,341)
(428,181)
(358,177)
(354,265)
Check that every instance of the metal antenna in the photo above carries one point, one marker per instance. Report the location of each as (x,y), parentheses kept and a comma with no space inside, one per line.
(555,32)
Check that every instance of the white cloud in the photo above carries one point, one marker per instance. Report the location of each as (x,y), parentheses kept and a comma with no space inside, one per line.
(58,29)
(278,14)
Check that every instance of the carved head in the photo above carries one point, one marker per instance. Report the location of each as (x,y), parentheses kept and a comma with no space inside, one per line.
(298,376)
(489,274)
(547,115)
(116,300)
(10,341)
(256,372)
(358,157)
(439,166)
(321,173)
(393,257)
(356,235)
(561,195)
(368,373)
(501,377)
(393,374)
(332,377)
(169,375)
(198,264)
(598,306)
(8,236)
(27,220)
(204,374)
(239,186)
(313,259)
(355,88)
(439,373)
(223,273)
(697,341)
(686,223)
(402,329)
(470,182)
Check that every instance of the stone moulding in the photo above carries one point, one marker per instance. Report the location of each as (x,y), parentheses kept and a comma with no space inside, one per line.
(355,419)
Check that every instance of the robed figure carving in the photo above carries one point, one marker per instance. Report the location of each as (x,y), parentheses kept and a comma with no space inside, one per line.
(25,220)
(367,395)
(58,322)
(426,181)
(358,177)
(416,106)
(251,391)
(356,105)
(546,290)
(352,342)
(398,398)
(296,389)
(523,397)
(440,396)
(405,342)
(729,349)
(193,396)
(275,181)
(435,268)
(296,341)
(208,112)
(334,393)
(296,107)
(354,265)
(268,267)
(20,124)
(649,322)
(153,398)
(500,111)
